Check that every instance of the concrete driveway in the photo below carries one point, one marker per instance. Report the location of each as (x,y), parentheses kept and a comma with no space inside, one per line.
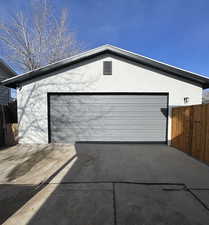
(127,184)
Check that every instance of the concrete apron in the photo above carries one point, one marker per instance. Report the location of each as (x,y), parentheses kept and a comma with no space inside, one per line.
(116,204)
(86,192)
(134,163)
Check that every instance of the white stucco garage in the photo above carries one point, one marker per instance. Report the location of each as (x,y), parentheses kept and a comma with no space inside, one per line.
(105,94)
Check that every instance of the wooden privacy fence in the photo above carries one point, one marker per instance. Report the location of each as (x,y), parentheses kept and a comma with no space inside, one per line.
(8,124)
(190,130)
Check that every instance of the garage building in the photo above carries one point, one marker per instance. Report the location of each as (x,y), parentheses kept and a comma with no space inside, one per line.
(103,95)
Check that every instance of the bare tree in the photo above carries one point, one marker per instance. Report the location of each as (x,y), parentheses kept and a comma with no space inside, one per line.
(42,38)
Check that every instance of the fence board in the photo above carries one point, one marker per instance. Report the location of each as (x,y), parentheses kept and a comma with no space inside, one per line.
(196,134)
(206,152)
(174,128)
(187,127)
(8,117)
(190,130)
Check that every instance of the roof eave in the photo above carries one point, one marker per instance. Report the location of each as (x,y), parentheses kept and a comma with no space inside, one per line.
(46,70)
(198,79)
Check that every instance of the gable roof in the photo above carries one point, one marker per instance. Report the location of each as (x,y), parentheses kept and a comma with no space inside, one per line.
(179,73)
(8,72)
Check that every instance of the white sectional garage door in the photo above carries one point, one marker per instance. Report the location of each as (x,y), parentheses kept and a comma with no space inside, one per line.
(107,117)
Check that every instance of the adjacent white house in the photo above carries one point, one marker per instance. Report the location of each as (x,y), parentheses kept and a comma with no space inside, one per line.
(105,94)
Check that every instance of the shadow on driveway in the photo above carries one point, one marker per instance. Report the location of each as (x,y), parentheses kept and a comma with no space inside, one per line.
(13,197)
(92,188)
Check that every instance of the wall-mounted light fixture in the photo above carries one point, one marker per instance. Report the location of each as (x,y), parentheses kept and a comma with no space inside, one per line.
(186,100)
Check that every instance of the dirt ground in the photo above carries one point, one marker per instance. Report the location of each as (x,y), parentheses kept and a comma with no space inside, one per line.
(23,170)
(32,164)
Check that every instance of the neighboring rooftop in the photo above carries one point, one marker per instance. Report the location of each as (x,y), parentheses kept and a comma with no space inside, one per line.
(6,71)
(179,73)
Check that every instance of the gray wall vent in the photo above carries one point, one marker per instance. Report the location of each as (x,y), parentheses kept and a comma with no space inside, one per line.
(107,68)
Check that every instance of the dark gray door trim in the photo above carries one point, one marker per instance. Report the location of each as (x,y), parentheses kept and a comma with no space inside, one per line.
(105,93)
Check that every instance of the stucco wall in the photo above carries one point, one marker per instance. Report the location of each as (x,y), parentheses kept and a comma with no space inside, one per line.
(127,77)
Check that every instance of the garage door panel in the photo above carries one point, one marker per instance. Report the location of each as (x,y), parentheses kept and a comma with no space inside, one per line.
(110,104)
(131,133)
(106,115)
(114,124)
(108,122)
(114,106)
(90,98)
(109,111)
(105,136)
(108,118)
(112,127)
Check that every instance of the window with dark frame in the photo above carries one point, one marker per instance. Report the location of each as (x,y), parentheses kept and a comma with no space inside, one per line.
(107,68)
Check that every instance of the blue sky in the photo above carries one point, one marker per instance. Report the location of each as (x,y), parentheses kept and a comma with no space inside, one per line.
(172,31)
